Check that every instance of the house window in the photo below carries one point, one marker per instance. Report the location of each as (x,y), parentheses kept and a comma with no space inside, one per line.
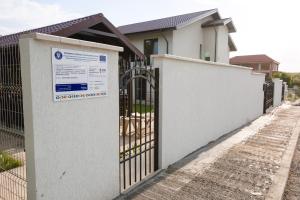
(150,47)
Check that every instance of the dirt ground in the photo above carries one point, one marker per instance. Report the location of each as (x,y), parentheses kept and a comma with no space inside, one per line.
(245,171)
(292,189)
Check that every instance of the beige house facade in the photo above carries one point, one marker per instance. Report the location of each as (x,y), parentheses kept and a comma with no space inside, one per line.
(201,35)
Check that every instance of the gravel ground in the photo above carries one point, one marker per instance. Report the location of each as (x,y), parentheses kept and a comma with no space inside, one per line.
(245,171)
(292,189)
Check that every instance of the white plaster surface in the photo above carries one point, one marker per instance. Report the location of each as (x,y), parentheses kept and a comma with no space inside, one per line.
(72,147)
(277,91)
(200,101)
(204,159)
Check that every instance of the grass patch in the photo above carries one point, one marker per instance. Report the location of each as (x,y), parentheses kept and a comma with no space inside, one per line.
(8,162)
(142,108)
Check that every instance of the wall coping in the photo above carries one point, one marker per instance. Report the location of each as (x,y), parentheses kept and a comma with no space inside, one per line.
(258,73)
(174,57)
(76,42)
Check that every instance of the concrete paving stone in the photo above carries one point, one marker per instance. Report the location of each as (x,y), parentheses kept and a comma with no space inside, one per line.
(292,189)
(244,170)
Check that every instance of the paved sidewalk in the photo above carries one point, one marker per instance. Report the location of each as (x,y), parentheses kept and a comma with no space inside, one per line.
(243,171)
(292,189)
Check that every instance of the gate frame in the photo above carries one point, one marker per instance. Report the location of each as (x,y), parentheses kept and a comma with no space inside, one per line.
(151,75)
(268,87)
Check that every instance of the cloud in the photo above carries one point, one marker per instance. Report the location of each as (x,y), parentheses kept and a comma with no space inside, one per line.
(19,15)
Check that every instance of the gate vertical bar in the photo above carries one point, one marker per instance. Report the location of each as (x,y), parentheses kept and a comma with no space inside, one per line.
(123,133)
(135,132)
(282,92)
(150,123)
(145,121)
(265,98)
(156,120)
(129,97)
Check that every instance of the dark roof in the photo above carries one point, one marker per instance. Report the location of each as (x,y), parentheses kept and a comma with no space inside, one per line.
(165,23)
(69,28)
(261,58)
(221,22)
(231,44)
(14,38)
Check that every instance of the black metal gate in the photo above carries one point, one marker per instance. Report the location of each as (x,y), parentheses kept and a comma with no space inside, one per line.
(282,92)
(268,94)
(139,104)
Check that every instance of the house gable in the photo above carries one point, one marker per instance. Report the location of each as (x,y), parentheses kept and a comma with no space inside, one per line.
(188,40)
(190,35)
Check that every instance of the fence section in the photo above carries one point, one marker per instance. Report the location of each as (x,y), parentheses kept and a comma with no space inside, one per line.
(12,147)
(268,95)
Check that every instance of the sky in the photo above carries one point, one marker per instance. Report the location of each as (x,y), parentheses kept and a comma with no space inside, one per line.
(263,26)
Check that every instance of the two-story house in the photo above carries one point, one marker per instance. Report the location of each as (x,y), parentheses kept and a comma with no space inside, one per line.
(201,35)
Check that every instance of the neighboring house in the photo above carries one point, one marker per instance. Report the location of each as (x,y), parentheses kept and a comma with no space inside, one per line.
(260,63)
(200,35)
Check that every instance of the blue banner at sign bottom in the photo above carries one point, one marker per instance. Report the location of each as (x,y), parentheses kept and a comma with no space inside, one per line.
(71,87)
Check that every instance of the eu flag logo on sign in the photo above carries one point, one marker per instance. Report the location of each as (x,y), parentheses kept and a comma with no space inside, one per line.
(102,58)
(58,55)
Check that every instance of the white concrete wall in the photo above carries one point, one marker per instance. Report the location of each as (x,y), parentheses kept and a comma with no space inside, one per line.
(277,91)
(72,147)
(201,101)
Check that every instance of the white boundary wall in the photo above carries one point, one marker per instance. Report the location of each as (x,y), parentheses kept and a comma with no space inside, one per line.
(286,90)
(277,91)
(200,101)
(72,147)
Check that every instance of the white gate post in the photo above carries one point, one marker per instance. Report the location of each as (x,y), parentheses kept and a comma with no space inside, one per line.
(72,147)
(277,91)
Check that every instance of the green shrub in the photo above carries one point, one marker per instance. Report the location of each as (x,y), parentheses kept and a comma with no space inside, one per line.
(292,79)
(8,162)
(142,108)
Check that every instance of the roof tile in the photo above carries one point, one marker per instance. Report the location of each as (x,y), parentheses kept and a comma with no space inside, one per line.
(164,23)
(261,58)
(14,38)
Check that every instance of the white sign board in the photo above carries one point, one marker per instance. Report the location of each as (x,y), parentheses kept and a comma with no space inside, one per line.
(78,74)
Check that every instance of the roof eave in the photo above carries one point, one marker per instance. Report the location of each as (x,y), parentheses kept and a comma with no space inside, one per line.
(96,19)
(231,44)
(183,24)
(149,31)
(123,38)
(230,25)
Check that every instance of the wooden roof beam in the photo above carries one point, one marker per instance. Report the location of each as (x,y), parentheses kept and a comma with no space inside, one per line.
(101,33)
